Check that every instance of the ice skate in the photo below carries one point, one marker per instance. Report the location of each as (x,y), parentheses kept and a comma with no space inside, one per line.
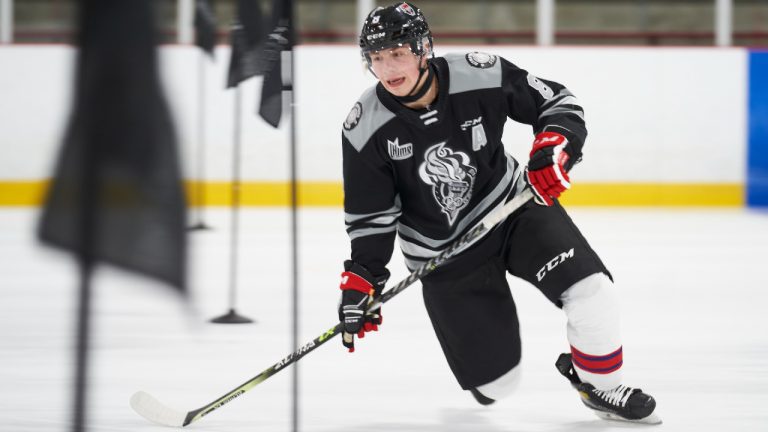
(621,403)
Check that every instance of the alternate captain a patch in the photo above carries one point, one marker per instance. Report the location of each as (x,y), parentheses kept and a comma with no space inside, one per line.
(353,118)
(481,60)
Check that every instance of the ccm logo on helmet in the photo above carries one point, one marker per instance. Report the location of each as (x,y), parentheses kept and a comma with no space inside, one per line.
(554,262)
(375,36)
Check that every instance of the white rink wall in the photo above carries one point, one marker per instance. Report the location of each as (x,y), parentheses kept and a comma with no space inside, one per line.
(671,115)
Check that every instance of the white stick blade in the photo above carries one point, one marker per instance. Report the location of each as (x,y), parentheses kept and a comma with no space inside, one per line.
(151,409)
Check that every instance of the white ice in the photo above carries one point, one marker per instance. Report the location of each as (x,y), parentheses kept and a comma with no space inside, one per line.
(693,285)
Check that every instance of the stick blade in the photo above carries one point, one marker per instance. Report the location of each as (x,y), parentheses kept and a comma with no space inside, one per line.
(151,409)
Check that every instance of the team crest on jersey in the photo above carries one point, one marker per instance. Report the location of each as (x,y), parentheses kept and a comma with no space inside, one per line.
(481,60)
(353,118)
(451,177)
(399,152)
(406,8)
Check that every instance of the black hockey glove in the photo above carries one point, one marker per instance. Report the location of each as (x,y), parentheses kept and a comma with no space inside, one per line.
(358,289)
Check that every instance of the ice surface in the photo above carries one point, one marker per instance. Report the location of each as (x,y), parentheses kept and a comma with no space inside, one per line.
(693,283)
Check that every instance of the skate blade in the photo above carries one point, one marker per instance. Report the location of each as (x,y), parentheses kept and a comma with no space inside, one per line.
(652,419)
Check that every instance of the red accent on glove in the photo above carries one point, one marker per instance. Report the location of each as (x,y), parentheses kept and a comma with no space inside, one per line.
(367,327)
(352,281)
(551,180)
(547,139)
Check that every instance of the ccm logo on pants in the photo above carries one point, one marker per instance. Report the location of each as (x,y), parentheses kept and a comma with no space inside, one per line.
(554,262)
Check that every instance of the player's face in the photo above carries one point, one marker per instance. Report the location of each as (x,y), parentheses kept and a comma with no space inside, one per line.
(397,68)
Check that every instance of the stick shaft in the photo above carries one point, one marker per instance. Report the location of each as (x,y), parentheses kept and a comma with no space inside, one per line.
(486,224)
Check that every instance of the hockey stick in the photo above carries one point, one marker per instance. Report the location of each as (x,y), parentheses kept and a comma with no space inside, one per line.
(152,409)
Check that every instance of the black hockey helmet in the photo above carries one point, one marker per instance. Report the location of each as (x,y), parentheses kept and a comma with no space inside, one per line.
(397,25)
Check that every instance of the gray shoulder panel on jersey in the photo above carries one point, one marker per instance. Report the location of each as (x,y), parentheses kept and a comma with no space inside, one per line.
(373,115)
(468,77)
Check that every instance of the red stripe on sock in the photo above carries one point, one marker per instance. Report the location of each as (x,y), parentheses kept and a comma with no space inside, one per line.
(602,364)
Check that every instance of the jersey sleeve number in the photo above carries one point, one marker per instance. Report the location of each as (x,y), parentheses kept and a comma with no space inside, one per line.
(542,88)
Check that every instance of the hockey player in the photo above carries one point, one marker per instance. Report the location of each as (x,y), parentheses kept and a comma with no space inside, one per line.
(424,161)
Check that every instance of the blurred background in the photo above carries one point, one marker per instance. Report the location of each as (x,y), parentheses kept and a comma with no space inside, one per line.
(577,22)
(664,81)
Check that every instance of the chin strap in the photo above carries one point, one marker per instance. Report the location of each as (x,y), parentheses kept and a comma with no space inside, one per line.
(412,97)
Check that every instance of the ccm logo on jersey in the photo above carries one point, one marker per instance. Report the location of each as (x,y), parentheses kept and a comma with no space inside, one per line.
(399,152)
(472,122)
(554,262)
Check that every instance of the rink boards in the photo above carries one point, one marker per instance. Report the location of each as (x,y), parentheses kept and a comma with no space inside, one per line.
(667,126)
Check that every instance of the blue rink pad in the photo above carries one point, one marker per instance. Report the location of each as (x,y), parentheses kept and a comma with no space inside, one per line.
(757,159)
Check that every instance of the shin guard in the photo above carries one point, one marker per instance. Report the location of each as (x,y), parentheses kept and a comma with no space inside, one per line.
(593,331)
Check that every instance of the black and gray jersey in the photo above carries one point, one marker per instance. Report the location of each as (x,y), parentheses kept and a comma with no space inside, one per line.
(428,176)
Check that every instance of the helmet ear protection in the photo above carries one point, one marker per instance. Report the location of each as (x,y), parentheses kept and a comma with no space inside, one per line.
(401,24)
